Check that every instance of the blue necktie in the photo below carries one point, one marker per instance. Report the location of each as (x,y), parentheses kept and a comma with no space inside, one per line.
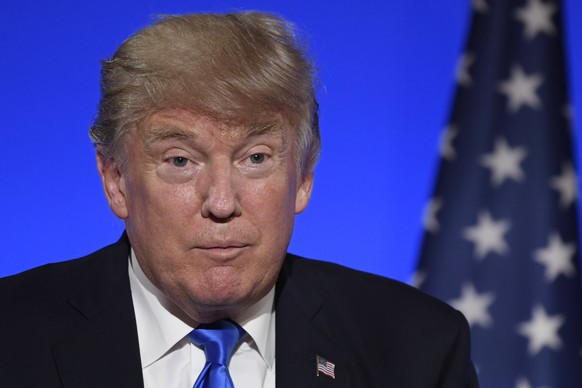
(218,340)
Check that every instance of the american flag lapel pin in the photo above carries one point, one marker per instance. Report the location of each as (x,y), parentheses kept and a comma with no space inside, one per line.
(325,367)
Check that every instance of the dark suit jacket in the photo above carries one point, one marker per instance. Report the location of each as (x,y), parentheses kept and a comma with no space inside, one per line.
(72,324)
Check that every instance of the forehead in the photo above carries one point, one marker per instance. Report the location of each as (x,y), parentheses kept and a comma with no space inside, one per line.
(180,123)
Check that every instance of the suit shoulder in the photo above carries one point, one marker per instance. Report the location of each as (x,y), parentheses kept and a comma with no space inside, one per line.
(47,282)
(382,326)
(371,293)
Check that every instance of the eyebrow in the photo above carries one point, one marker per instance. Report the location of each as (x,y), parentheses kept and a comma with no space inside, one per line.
(161,133)
(158,134)
(168,132)
(268,128)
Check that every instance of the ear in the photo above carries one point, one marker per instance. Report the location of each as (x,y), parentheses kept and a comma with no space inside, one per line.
(113,185)
(303,192)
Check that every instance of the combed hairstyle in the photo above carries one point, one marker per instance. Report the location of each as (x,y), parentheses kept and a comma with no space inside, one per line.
(243,68)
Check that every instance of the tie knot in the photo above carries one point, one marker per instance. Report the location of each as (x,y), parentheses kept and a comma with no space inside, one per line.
(218,340)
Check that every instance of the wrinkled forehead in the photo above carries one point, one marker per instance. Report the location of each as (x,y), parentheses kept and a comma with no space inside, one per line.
(185,123)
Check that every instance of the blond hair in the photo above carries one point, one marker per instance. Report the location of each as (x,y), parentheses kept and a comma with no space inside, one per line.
(242,68)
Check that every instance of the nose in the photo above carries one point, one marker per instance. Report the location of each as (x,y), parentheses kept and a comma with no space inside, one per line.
(220,195)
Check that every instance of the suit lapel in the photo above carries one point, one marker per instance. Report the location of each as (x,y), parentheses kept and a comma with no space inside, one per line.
(304,332)
(101,348)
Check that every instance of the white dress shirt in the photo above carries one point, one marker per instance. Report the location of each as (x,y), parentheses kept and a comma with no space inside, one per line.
(168,357)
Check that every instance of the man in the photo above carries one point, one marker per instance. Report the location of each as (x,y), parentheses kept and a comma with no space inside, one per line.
(207,140)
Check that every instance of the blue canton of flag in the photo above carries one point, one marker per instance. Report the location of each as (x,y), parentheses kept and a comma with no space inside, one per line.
(501,241)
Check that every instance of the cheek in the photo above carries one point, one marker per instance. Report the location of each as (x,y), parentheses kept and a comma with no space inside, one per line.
(158,209)
(272,199)
(271,206)
(152,194)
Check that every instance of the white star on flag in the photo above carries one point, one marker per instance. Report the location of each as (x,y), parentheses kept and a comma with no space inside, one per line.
(474,306)
(522,383)
(431,222)
(567,186)
(487,235)
(537,17)
(418,278)
(557,258)
(504,162)
(520,89)
(569,112)
(447,150)
(542,330)
(463,76)
(480,6)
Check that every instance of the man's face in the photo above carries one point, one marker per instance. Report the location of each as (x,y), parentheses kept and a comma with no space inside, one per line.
(209,209)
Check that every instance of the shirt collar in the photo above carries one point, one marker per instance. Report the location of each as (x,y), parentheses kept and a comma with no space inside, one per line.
(160,327)
(259,323)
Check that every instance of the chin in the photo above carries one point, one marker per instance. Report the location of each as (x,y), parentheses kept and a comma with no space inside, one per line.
(213,309)
(225,301)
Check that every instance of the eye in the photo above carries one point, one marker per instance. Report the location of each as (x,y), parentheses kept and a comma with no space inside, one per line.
(257,158)
(179,161)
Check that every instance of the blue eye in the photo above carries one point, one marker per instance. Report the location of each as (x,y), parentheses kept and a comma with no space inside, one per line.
(257,158)
(179,161)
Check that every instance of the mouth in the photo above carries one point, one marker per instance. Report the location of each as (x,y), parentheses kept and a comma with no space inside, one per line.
(221,245)
(223,249)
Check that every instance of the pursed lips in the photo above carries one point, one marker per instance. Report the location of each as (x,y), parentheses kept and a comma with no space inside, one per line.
(223,244)
(224,249)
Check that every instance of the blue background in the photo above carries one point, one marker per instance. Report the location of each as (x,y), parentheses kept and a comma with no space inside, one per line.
(386,85)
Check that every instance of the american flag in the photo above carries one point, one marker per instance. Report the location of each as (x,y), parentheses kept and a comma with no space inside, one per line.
(325,367)
(501,241)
